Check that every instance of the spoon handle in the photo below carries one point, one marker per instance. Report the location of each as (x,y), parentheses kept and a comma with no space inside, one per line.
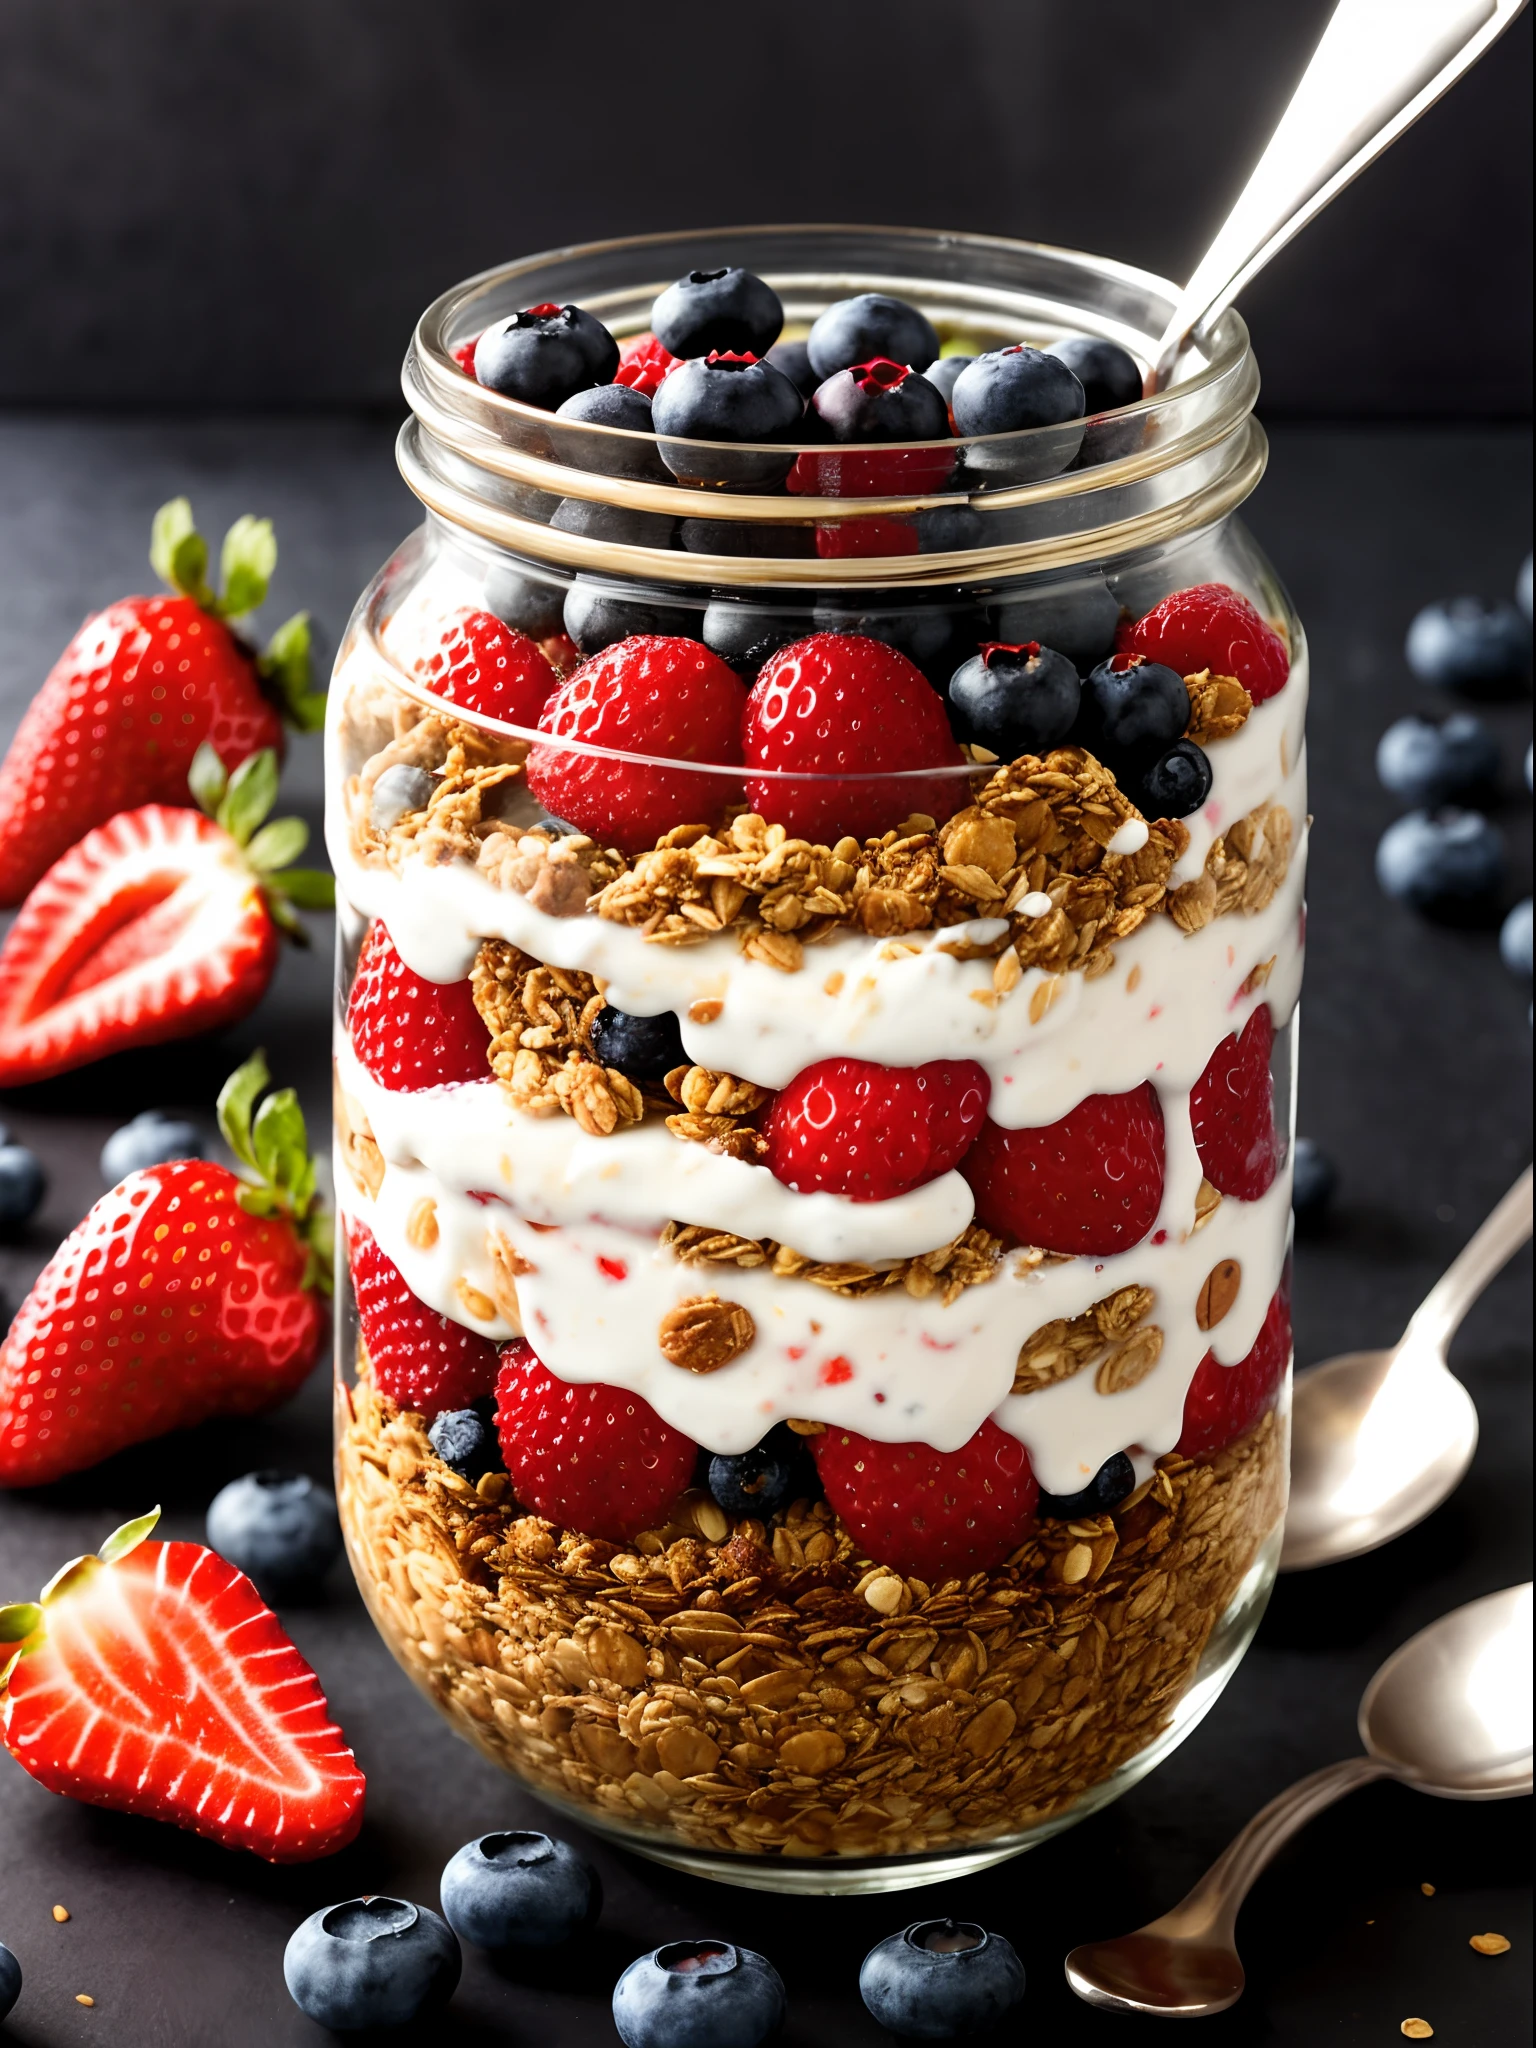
(1485,1253)
(1209,1912)
(1379,65)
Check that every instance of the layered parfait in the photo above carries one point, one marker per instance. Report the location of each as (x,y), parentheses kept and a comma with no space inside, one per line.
(814,1187)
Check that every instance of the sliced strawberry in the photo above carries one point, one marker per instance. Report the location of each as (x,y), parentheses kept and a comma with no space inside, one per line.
(592,1458)
(420,1360)
(850,1127)
(140,687)
(1232,1110)
(644,363)
(1092,1183)
(850,712)
(1224,1401)
(411,1033)
(184,1293)
(1210,626)
(930,1514)
(154,1680)
(487,665)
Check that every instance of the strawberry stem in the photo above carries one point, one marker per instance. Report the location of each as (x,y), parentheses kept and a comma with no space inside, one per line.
(24,1622)
(271,1143)
(240,803)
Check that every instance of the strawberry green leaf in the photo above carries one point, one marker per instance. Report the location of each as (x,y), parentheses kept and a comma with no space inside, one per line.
(285,667)
(282,1152)
(246,562)
(275,845)
(72,1574)
(178,554)
(284,916)
(22,1618)
(207,779)
(237,1098)
(128,1537)
(321,1265)
(273,1146)
(251,794)
(309,888)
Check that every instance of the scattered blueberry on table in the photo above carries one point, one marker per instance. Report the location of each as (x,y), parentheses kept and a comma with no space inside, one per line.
(1314,1182)
(699,1994)
(374,1962)
(10,1980)
(1515,940)
(1464,643)
(22,1183)
(151,1139)
(519,1890)
(1437,761)
(279,1528)
(941,1980)
(1447,863)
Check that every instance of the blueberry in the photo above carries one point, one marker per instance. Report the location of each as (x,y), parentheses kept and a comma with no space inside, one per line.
(1530,761)
(1523,589)
(1426,761)
(699,1994)
(1177,783)
(644,1048)
(22,1186)
(1016,700)
(596,616)
(1114,1480)
(530,603)
(942,374)
(465,1439)
(794,359)
(545,355)
(1465,644)
(616,523)
(1078,619)
(717,309)
(402,788)
(279,1528)
(154,1135)
(1314,1180)
(1014,388)
(1108,373)
(759,1480)
(1135,706)
(881,401)
(745,635)
(611,405)
(941,1980)
(745,537)
(872,324)
(373,1962)
(727,398)
(10,1980)
(1515,940)
(519,1890)
(925,634)
(948,529)
(1447,863)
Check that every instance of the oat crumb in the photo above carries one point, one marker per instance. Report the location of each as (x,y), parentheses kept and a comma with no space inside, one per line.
(1491,1944)
(1428,1890)
(82,1998)
(61,1914)
(1417,2030)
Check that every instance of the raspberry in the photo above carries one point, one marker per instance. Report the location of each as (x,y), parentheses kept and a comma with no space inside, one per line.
(655,695)
(643,363)
(1225,1400)
(838,701)
(411,1033)
(1210,626)
(420,1359)
(933,1514)
(1092,1183)
(849,1127)
(464,356)
(841,540)
(592,1458)
(1232,1110)
(491,667)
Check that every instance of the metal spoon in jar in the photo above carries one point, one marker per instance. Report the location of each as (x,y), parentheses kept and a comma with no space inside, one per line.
(1379,65)
(1380,1438)
(1449,1714)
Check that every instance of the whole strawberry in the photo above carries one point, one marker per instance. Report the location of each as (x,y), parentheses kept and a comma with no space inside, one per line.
(851,1127)
(1090,1184)
(1211,626)
(419,1358)
(153,1679)
(933,1514)
(1232,1111)
(140,687)
(159,924)
(186,1292)
(1226,1400)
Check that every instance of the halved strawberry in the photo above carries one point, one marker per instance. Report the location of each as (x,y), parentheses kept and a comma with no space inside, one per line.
(153,1679)
(185,1293)
(158,925)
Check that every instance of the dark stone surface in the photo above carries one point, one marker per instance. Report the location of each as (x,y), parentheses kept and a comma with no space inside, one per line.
(1415,1076)
(249,203)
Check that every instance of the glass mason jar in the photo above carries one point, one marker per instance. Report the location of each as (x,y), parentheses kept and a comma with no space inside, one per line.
(863,1198)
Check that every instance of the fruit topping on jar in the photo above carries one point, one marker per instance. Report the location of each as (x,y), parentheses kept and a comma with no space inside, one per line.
(1232,1112)
(1091,1183)
(829,707)
(1016,700)
(725,309)
(935,1514)
(1108,373)
(794,359)
(850,1127)
(872,324)
(622,406)
(1016,387)
(410,1033)
(727,397)
(643,363)
(420,1359)
(1210,626)
(877,401)
(490,667)
(545,354)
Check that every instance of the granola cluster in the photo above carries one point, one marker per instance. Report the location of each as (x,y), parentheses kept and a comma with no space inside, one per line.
(968,1260)
(1112,1335)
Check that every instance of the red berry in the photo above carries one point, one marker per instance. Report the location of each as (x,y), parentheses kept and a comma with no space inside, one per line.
(656,695)
(1225,1400)
(411,1033)
(930,1514)
(850,1127)
(464,356)
(421,1360)
(644,363)
(1232,1110)
(837,702)
(1092,1183)
(1211,626)
(842,540)
(488,666)
(592,1458)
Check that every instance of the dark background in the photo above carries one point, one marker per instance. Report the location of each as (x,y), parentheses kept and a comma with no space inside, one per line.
(240,202)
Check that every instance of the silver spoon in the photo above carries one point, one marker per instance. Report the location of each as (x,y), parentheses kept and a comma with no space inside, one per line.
(1380,1438)
(1449,1714)
(1380,64)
